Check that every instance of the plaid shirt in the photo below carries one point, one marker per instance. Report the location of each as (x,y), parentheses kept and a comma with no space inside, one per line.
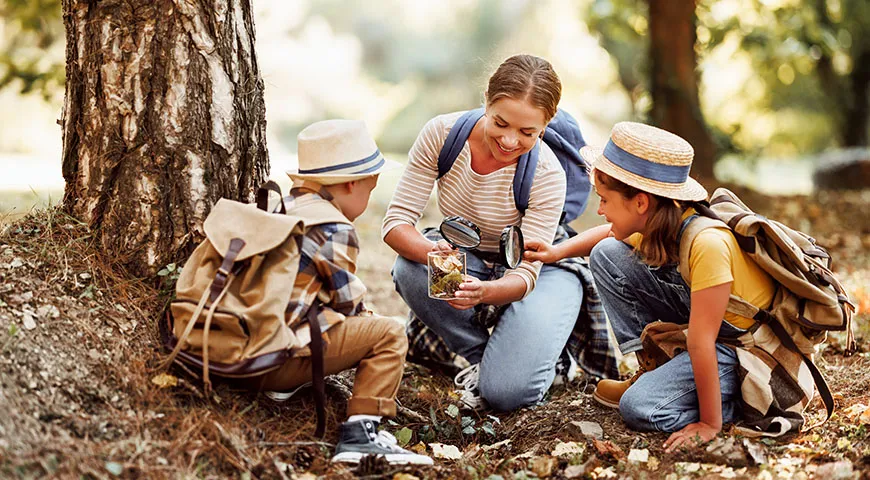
(589,342)
(326,272)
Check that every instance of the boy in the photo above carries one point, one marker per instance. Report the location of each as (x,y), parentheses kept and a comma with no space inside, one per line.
(339,163)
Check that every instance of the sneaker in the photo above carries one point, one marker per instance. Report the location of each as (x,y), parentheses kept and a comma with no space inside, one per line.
(468,381)
(609,392)
(361,438)
(284,396)
(566,369)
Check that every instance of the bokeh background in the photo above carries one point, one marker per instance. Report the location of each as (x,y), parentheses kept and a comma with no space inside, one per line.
(776,77)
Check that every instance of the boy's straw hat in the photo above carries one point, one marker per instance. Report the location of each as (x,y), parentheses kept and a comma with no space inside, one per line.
(650,159)
(338,151)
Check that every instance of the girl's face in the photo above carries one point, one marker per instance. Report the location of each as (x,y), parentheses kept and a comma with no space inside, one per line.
(511,128)
(625,215)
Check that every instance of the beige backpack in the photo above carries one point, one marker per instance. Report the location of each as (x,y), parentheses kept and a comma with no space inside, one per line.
(809,300)
(229,313)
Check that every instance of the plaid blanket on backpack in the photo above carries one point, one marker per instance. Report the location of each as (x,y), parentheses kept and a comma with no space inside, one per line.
(775,385)
(589,342)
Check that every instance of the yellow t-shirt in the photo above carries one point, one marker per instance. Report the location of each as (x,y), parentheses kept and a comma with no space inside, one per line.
(716,258)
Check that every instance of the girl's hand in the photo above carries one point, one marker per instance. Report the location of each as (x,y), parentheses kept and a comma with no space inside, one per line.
(441,246)
(692,435)
(471,292)
(538,251)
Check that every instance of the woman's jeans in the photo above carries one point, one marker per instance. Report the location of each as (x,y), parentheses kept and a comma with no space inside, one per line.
(635,295)
(517,361)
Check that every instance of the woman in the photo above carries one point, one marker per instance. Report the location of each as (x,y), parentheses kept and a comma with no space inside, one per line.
(515,365)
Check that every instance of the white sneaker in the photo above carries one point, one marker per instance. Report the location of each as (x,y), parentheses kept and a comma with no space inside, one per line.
(566,369)
(284,396)
(469,394)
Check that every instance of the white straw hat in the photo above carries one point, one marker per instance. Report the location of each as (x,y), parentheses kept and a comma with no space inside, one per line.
(650,159)
(338,151)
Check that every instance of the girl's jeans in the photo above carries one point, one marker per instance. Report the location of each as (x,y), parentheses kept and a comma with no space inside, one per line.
(517,361)
(635,295)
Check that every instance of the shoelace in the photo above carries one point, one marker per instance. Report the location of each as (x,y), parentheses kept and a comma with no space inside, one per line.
(468,378)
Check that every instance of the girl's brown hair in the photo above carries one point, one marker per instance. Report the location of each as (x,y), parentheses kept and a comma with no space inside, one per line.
(660,245)
(524,77)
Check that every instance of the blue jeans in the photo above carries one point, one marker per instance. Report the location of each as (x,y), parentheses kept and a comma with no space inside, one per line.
(635,295)
(517,361)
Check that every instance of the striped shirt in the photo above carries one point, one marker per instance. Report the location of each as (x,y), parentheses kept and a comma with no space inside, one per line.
(487,200)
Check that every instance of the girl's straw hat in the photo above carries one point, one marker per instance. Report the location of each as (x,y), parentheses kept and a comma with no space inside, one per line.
(650,159)
(338,151)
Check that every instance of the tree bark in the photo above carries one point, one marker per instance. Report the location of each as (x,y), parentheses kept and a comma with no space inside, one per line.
(163,115)
(674,79)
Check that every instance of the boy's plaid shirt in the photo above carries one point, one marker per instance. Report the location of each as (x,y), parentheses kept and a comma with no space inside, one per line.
(326,272)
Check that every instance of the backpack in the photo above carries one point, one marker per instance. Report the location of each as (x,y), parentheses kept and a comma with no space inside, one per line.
(809,301)
(563,137)
(228,315)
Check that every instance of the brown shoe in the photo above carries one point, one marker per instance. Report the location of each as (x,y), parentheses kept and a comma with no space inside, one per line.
(608,392)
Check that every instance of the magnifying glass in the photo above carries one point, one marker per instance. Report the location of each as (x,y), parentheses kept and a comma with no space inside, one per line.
(463,233)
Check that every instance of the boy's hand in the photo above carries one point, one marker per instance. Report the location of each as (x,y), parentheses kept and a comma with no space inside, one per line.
(470,293)
(692,435)
(538,251)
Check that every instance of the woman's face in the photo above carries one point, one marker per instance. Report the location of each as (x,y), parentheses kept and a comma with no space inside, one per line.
(623,214)
(511,128)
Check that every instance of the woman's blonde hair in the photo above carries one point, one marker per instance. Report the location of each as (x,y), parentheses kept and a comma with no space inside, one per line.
(660,245)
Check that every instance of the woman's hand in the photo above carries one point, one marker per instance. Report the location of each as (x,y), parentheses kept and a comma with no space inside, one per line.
(471,292)
(692,435)
(441,246)
(538,251)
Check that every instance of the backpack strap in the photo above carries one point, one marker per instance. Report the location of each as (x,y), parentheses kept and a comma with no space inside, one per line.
(263,197)
(317,372)
(526,165)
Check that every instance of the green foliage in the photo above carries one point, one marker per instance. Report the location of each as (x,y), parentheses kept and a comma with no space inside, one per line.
(31,28)
(802,56)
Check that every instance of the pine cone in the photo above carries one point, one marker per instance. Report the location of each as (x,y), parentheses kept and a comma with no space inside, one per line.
(304,457)
(372,465)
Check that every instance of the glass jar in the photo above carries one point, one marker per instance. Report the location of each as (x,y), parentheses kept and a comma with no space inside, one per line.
(446,271)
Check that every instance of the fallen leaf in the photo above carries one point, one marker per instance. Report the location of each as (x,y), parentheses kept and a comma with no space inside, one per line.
(419,448)
(756,452)
(29,322)
(164,380)
(543,466)
(405,476)
(403,436)
(588,429)
(568,449)
(449,452)
(16,262)
(608,448)
(638,456)
(114,468)
(497,445)
(574,471)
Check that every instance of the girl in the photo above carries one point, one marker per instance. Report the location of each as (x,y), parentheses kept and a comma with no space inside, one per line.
(646,197)
(515,364)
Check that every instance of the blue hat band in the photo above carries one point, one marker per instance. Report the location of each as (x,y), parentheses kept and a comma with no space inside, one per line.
(644,168)
(366,165)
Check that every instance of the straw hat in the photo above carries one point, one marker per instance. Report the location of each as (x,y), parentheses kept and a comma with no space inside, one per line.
(338,151)
(650,159)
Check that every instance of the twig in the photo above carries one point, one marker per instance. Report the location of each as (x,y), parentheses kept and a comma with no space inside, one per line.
(280,470)
(294,444)
(338,383)
(233,443)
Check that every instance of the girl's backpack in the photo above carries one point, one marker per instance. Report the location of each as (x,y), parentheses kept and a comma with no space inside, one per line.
(228,315)
(809,300)
(563,137)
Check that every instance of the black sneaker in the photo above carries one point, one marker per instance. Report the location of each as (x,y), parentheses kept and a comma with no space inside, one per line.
(566,369)
(361,438)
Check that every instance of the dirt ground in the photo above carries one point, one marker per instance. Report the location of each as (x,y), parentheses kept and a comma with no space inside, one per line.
(79,351)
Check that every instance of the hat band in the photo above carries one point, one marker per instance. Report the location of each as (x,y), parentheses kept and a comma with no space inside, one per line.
(364,164)
(645,168)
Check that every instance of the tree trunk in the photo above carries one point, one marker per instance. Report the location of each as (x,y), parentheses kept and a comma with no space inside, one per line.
(857,111)
(674,85)
(163,115)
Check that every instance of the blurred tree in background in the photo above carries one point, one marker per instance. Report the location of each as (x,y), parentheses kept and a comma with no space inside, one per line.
(779,77)
(29,28)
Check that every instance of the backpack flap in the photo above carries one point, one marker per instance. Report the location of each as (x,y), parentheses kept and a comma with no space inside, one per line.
(261,231)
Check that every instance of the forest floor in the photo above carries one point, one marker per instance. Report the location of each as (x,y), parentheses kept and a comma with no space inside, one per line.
(79,356)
